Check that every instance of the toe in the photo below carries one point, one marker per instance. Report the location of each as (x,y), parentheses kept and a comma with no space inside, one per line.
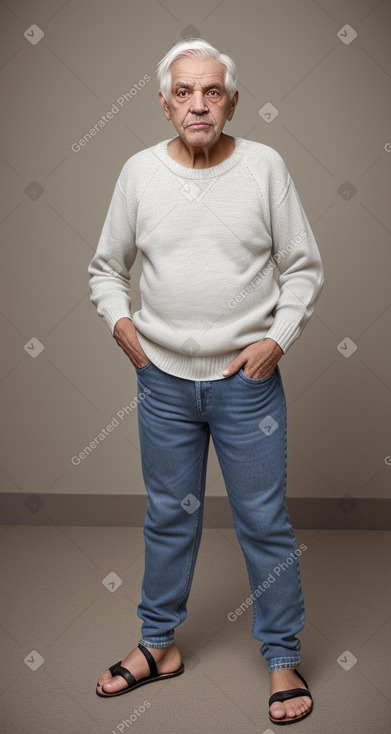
(304,703)
(109,684)
(277,711)
(117,683)
(290,709)
(104,678)
(101,681)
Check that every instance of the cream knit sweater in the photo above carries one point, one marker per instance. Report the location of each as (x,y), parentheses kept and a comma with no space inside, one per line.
(228,257)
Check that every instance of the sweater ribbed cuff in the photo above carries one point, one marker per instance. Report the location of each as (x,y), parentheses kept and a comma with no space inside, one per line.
(111,314)
(284,332)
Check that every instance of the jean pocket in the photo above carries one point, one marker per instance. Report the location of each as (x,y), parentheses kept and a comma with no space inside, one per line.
(143,367)
(256,380)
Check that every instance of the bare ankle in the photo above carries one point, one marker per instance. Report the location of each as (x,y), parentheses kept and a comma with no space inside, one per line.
(162,651)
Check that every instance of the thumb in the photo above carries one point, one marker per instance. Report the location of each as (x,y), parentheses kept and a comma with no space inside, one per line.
(233,366)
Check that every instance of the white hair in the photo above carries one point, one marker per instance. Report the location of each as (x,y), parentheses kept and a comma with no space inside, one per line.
(199,48)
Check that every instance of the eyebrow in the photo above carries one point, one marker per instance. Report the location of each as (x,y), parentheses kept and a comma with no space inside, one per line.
(183,85)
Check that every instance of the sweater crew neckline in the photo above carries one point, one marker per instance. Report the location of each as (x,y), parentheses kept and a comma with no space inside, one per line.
(186,172)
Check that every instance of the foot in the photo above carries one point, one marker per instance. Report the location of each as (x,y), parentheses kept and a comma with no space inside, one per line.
(168,659)
(284,680)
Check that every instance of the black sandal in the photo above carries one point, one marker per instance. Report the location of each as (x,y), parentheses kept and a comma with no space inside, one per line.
(118,669)
(282,696)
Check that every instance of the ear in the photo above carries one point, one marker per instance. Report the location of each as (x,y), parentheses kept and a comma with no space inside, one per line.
(232,105)
(164,106)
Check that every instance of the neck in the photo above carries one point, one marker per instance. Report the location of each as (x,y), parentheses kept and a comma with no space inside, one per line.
(202,156)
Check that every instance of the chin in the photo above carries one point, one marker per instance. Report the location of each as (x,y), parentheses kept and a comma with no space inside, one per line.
(209,133)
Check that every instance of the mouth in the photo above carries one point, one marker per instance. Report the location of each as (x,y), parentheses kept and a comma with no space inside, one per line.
(199,125)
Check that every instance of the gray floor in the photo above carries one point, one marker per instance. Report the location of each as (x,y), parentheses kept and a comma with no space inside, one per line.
(54,604)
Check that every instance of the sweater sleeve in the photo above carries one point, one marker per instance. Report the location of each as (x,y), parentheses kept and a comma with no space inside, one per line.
(114,257)
(296,255)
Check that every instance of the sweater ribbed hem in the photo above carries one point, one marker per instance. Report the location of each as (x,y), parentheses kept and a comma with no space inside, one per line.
(186,366)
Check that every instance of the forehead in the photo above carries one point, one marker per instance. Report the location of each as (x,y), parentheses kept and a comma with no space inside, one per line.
(193,70)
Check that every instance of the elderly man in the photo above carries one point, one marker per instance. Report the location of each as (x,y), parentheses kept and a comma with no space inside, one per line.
(215,218)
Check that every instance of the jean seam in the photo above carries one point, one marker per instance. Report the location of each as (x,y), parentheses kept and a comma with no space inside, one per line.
(294,660)
(196,529)
(252,586)
(298,574)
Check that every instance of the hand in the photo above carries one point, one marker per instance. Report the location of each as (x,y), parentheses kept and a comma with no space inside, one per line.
(258,359)
(126,337)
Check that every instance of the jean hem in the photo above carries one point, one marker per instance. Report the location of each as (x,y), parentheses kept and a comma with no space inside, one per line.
(282,663)
(165,643)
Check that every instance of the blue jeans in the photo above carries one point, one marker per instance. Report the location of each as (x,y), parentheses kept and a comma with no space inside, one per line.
(247,420)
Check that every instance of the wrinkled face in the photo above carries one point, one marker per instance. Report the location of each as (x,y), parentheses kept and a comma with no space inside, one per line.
(198,106)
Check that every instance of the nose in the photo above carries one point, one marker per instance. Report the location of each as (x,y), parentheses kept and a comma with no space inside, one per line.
(198,103)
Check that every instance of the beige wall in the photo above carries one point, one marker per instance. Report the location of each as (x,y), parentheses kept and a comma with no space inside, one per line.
(333,126)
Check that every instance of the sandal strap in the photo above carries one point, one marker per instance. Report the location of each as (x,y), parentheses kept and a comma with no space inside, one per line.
(150,659)
(301,678)
(282,696)
(118,669)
